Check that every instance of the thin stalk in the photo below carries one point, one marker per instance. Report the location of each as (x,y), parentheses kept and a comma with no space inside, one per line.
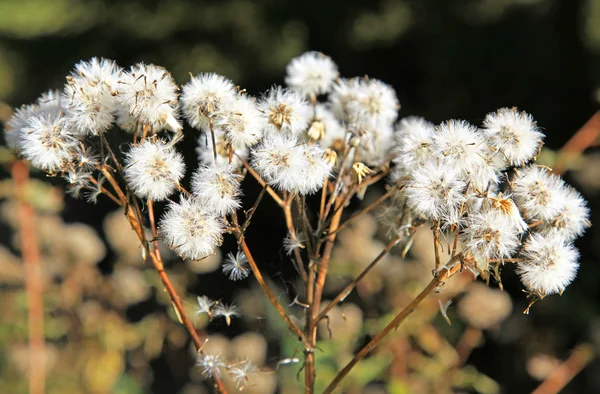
(442,274)
(298,263)
(269,293)
(250,213)
(365,210)
(212,137)
(344,293)
(582,355)
(105,191)
(262,182)
(33,281)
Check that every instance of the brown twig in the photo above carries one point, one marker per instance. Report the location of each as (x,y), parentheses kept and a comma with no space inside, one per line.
(262,182)
(364,211)
(582,355)
(584,138)
(269,293)
(344,293)
(442,274)
(33,281)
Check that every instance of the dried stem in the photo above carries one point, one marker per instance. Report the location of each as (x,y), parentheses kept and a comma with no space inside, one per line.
(212,137)
(298,263)
(269,293)
(262,182)
(364,211)
(444,273)
(344,293)
(105,191)
(251,211)
(582,355)
(33,281)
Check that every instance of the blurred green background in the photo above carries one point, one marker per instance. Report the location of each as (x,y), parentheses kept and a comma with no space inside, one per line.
(446,59)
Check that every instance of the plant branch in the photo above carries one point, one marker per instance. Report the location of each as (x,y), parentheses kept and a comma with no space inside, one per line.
(344,293)
(33,281)
(269,293)
(582,355)
(442,274)
(262,182)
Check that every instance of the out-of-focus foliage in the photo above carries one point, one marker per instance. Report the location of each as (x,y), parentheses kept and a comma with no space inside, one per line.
(109,324)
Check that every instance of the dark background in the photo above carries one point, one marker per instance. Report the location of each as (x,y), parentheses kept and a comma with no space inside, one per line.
(446,59)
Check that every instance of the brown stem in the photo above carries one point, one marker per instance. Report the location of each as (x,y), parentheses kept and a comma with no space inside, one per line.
(344,293)
(33,281)
(582,355)
(106,172)
(365,210)
(323,199)
(272,298)
(262,182)
(212,137)
(289,222)
(436,244)
(105,191)
(442,274)
(250,213)
(584,138)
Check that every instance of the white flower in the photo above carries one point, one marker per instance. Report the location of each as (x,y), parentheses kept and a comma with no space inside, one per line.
(190,230)
(413,143)
(489,235)
(286,111)
(311,73)
(504,205)
(240,121)
(227,311)
(211,364)
(487,171)
(434,189)
(206,156)
(51,102)
(314,170)
(217,188)
(150,96)
(537,193)
(17,122)
(290,243)
(548,264)
(240,373)
(374,142)
(205,305)
(153,170)
(203,96)
(514,133)
(572,218)
(364,101)
(280,161)
(236,266)
(78,180)
(89,96)
(459,145)
(47,142)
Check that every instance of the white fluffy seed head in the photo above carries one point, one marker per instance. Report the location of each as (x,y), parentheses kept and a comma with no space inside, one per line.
(504,205)
(236,266)
(189,230)
(311,73)
(217,188)
(314,170)
(153,170)
(538,193)
(433,190)
(286,111)
(89,96)
(279,159)
(210,364)
(514,133)
(414,138)
(549,264)
(362,100)
(240,121)
(17,122)
(47,142)
(489,235)
(203,97)
(572,218)
(459,145)
(149,95)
